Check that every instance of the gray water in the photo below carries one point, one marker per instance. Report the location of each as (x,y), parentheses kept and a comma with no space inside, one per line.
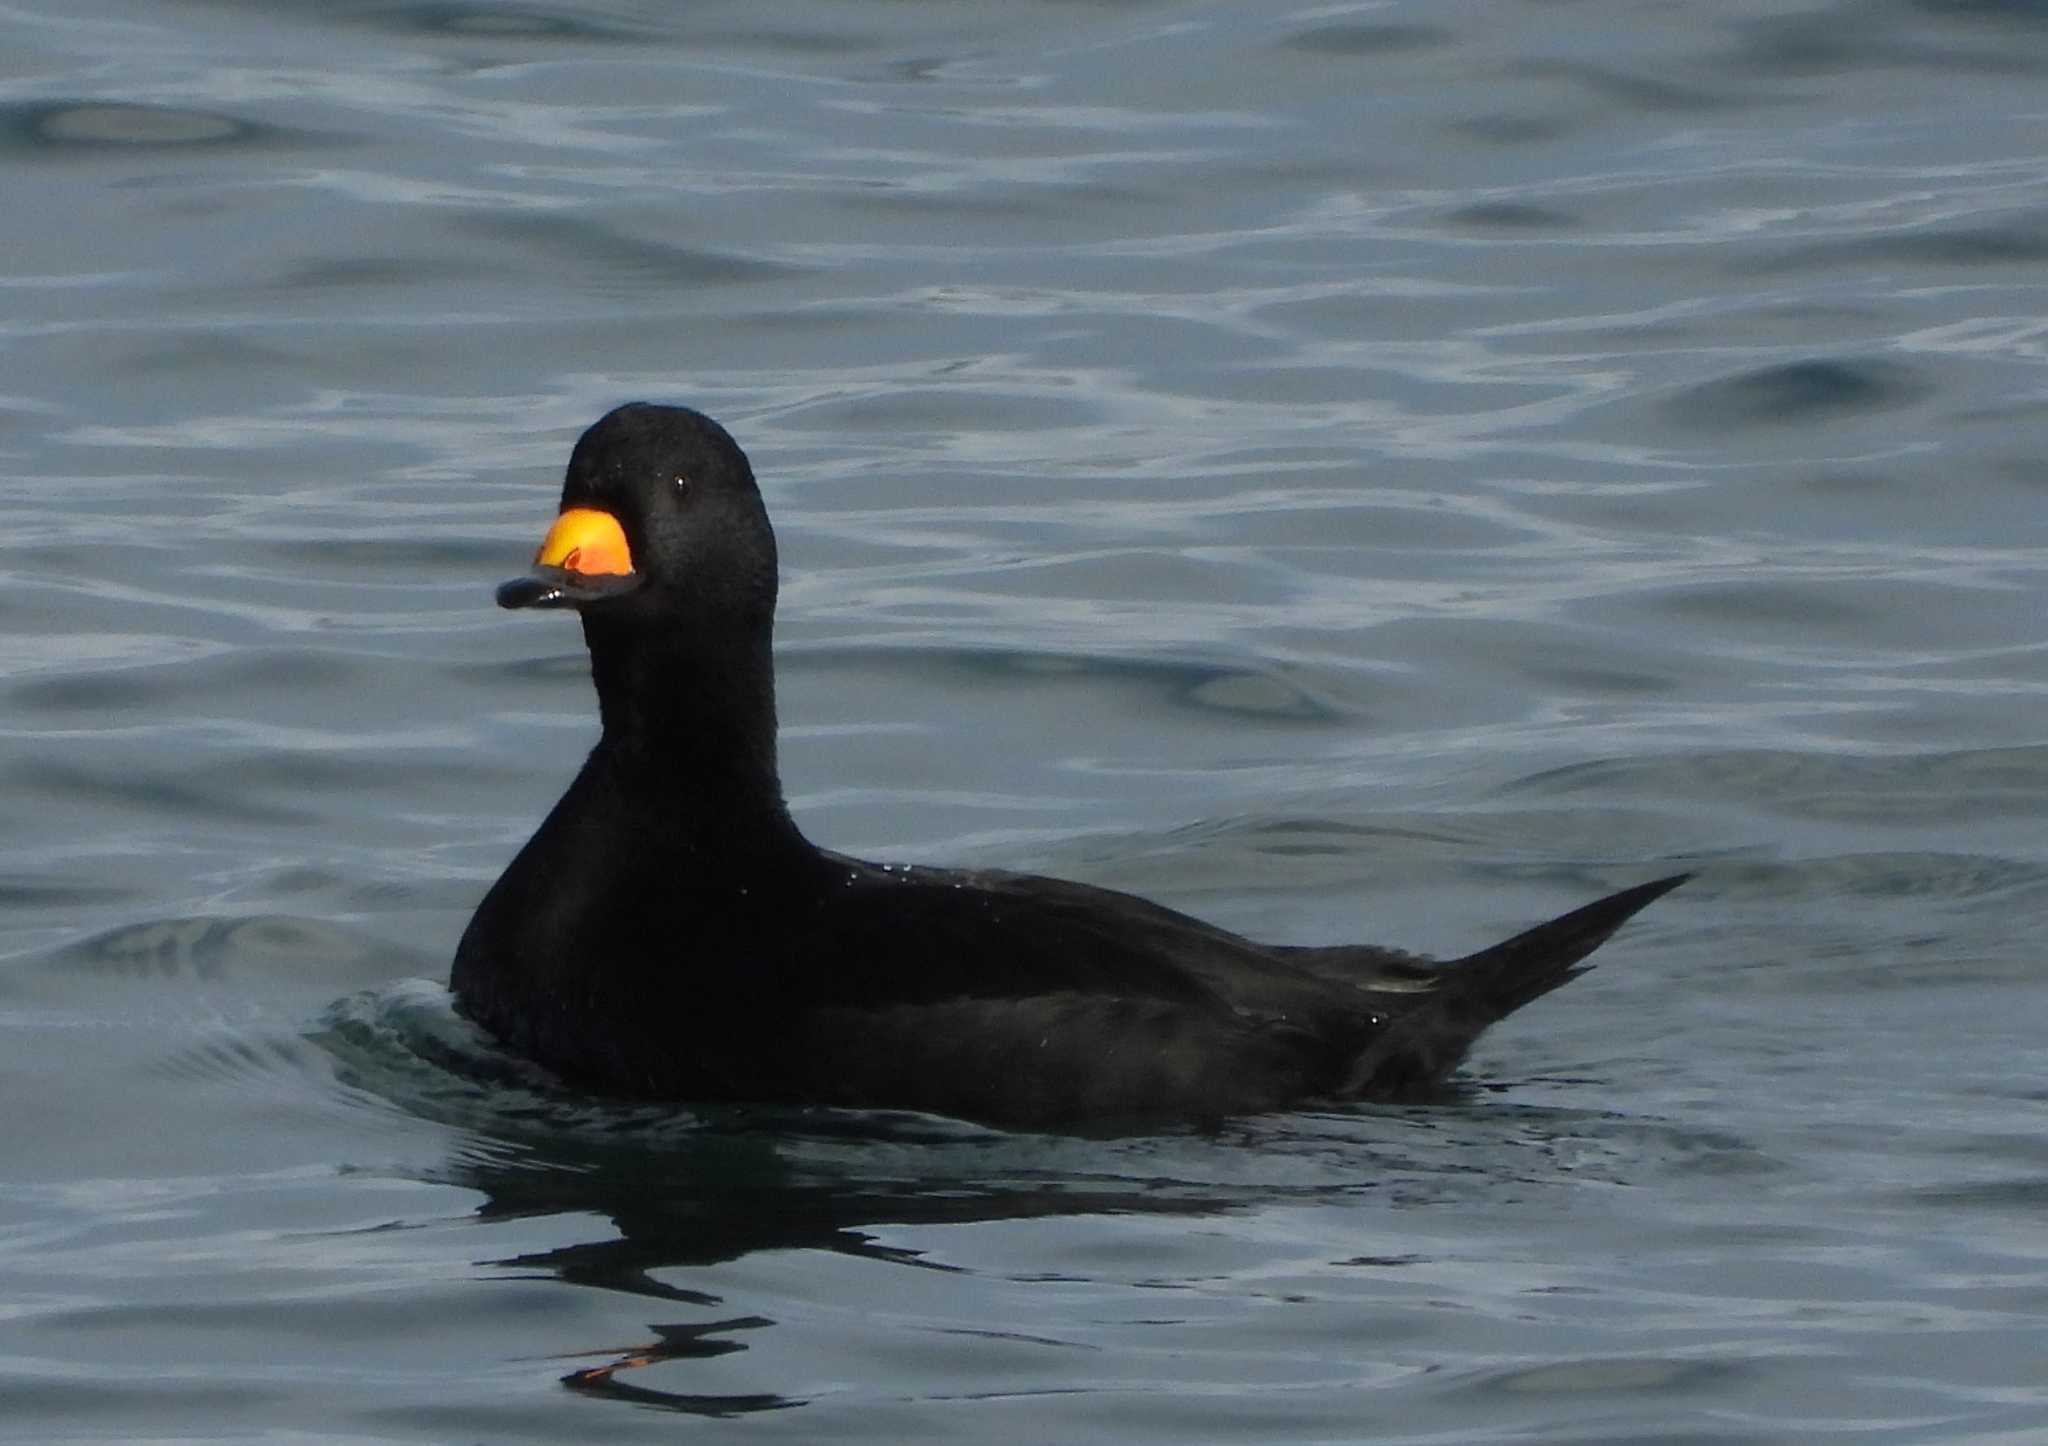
(1353,471)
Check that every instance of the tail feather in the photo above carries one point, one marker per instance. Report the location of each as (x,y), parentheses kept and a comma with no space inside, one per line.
(1420,1046)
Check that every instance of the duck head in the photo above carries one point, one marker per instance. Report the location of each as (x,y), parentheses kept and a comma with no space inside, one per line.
(661,527)
(663,546)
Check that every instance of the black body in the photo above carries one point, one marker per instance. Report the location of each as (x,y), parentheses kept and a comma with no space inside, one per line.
(668,932)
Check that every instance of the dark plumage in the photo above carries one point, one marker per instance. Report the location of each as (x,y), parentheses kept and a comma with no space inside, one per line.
(668,932)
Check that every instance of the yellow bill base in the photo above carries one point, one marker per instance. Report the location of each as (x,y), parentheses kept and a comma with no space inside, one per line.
(587,541)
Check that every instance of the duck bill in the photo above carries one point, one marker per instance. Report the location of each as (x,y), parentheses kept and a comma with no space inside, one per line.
(583,559)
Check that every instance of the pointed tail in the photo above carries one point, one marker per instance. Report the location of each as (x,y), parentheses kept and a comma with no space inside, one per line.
(1420,1046)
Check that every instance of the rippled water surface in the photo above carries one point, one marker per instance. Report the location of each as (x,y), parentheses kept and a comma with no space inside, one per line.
(1377,471)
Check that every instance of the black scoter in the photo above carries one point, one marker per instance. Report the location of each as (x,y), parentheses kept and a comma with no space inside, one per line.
(670,933)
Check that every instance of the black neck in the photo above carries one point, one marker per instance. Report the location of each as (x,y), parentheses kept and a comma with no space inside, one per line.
(689,739)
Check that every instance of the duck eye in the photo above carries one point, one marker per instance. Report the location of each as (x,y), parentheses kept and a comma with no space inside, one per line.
(682,485)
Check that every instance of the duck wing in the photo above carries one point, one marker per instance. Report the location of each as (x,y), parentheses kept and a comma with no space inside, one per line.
(1027,1000)
(922,935)
(1022,1000)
